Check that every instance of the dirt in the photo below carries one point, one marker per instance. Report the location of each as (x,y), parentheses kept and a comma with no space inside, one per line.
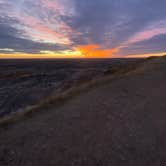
(119,123)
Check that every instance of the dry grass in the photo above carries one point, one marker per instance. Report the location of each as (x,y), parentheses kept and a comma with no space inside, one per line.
(15,75)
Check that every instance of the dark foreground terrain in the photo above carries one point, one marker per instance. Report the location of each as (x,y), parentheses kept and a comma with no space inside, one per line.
(121,122)
(26,82)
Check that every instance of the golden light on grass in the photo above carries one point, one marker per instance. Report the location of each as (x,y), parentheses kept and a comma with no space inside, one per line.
(145,55)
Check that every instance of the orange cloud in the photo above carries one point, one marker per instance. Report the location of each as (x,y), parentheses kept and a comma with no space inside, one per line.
(95,51)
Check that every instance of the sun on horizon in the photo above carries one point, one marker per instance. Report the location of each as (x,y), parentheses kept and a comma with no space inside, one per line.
(82,29)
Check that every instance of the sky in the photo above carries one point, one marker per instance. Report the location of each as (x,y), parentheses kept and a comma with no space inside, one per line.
(82,28)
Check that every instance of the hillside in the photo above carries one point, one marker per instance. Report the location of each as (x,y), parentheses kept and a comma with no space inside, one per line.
(119,122)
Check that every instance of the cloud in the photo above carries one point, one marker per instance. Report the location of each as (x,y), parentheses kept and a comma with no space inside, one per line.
(11,38)
(31,31)
(155,28)
(156,44)
(113,26)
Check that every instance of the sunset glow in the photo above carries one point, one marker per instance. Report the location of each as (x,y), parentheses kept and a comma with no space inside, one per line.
(69,29)
(94,51)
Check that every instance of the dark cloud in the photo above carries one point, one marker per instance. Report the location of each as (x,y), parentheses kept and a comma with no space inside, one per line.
(112,22)
(155,44)
(108,23)
(13,38)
